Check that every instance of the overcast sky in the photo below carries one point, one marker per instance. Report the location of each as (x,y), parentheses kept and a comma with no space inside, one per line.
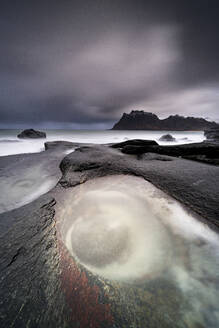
(81,64)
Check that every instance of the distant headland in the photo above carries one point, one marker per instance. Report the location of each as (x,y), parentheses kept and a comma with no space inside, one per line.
(141,120)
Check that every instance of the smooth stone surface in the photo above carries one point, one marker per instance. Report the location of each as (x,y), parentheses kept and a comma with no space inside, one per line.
(206,152)
(26,177)
(193,184)
(135,142)
(41,286)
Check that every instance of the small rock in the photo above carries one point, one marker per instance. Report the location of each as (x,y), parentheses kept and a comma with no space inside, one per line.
(167,137)
(135,142)
(212,134)
(31,133)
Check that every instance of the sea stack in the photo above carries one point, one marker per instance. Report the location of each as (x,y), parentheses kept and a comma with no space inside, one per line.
(167,137)
(31,133)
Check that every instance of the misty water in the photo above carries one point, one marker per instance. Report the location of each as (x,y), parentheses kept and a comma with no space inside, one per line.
(27,181)
(10,144)
(124,229)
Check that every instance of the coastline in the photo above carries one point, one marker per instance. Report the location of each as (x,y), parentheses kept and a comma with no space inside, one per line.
(36,266)
(188,180)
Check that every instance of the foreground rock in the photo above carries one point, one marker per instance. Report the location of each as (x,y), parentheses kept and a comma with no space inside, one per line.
(167,137)
(31,133)
(212,134)
(135,142)
(192,183)
(25,177)
(206,152)
(42,286)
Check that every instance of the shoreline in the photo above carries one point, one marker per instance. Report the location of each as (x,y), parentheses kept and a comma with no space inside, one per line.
(193,183)
(48,283)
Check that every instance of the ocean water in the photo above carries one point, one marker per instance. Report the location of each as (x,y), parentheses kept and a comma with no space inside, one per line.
(10,144)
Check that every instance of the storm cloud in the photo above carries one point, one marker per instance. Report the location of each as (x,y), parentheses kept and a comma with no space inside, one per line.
(80,64)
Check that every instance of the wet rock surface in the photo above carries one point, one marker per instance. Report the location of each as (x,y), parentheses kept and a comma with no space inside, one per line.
(42,286)
(30,285)
(193,184)
(206,152)
(135,142)
(212,134)
(25,177)
(31,133)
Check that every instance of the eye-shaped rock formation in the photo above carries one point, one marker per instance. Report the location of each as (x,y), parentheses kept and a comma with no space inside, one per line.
(105,248)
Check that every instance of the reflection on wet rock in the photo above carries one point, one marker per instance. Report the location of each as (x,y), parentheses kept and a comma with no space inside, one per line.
(106,241)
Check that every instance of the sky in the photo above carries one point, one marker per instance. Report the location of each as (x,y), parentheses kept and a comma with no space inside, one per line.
(81,64)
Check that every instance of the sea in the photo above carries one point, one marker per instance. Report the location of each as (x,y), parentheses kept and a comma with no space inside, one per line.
(10,144)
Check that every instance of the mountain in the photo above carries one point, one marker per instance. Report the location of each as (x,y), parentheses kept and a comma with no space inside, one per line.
(140,120)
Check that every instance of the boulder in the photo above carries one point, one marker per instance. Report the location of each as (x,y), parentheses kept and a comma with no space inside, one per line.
(135,142)
(167,137)
(207,151)
(138,150)
(31,133)
(212,134)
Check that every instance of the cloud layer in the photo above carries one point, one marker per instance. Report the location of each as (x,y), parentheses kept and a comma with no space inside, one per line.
(72,64)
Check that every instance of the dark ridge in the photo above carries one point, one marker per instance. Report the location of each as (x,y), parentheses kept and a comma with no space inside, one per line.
(140,120)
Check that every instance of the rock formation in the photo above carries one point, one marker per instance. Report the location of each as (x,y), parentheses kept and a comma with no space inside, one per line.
(212,134)
(43,285)
(31,133)
(206,152)
(167,137)
(140,120)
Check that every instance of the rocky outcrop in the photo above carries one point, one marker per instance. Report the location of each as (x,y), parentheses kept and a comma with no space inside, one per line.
(212,134)
(177,176)
(31,133)
(206,152)
(135,142)
(140,120)
(43,286)
(167,137)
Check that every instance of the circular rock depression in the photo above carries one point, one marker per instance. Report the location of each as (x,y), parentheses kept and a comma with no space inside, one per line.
(113,229)
(123,228)
(99,243)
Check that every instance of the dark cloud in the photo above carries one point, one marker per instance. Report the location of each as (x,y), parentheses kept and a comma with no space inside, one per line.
(73,62)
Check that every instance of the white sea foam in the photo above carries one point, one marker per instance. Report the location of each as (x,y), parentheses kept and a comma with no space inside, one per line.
(10,144)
